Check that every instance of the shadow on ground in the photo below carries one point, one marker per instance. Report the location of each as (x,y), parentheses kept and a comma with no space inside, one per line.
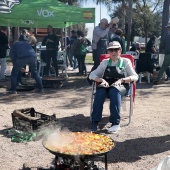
(133,149)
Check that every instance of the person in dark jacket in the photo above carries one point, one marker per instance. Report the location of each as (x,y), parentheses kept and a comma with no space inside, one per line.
(67,47)
(80,42)
(136,48)
(166,47)
(21,54)
(72,59)
(150,46)
(3,50)
(24,35)
(118,37)
(51,41)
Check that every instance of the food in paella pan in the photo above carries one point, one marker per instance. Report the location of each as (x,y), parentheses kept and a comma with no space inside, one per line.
(79,143)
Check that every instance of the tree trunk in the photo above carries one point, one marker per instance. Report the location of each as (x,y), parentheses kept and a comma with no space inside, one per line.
(165,18)
(124,14)
(129,24)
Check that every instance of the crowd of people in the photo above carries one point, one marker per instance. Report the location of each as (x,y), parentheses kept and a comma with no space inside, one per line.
(20,52)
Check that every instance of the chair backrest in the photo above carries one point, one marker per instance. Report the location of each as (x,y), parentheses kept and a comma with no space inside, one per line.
(131,58)
(105,56)
(145,63)
(133,53)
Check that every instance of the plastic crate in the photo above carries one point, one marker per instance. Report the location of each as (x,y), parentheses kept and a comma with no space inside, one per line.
(29,120)
(53,82)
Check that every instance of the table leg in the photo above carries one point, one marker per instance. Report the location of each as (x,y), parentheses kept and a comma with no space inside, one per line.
(105,161)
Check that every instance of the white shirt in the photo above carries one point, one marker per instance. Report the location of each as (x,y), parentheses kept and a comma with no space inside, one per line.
(98,33)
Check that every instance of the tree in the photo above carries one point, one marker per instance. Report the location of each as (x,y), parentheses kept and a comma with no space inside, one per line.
(129,24)
(146,13)
(146,18)
(164,20)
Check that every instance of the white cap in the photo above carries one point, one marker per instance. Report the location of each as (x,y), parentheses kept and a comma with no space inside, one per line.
(114,44)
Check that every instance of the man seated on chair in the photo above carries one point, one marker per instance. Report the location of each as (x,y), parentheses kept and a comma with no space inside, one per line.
(136,48)
(113,76)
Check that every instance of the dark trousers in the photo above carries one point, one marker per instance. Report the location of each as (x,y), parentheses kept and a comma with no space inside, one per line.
(81,63)
(50,54)
(96,59)
(168,72)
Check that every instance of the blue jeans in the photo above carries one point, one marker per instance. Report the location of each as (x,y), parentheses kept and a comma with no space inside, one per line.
(19,63)
(115,104)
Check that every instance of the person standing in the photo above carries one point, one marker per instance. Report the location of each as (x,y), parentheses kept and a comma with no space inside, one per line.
(51,41)
(21,54)
(150,46)
(79,50)
(3,50)
(124,44)
(112,31)
(166,47)
(67,47)
(118,37)
(72,59)
(99,42)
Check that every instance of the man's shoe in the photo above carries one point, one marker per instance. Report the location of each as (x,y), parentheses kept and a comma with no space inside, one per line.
(11,93)
(114,129)
(94,126)
(156,82)
(167,79)
(39,91)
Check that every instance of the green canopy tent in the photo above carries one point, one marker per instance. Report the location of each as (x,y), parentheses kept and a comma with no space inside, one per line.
(41,13)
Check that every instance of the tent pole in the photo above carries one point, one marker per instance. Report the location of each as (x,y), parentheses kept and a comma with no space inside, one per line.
(65,48)
(65,35)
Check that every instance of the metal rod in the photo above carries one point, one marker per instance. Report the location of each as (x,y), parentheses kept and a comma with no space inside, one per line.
(105,161)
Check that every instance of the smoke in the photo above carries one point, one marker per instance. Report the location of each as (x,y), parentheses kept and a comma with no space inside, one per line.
(55,134)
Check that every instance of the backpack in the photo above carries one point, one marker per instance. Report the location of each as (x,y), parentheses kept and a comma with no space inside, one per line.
(79,47)
(83,49)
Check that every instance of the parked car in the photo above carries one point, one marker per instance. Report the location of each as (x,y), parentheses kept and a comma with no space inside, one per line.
(89,49)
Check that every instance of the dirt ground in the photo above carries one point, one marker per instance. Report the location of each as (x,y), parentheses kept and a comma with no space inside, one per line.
(139,146)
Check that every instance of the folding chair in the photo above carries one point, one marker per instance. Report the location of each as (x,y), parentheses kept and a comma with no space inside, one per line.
(132,91)
(61,58)
(42,64)
(145,64)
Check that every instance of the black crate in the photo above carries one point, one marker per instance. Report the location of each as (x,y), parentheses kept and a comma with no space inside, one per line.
(53,82)
(29,120)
